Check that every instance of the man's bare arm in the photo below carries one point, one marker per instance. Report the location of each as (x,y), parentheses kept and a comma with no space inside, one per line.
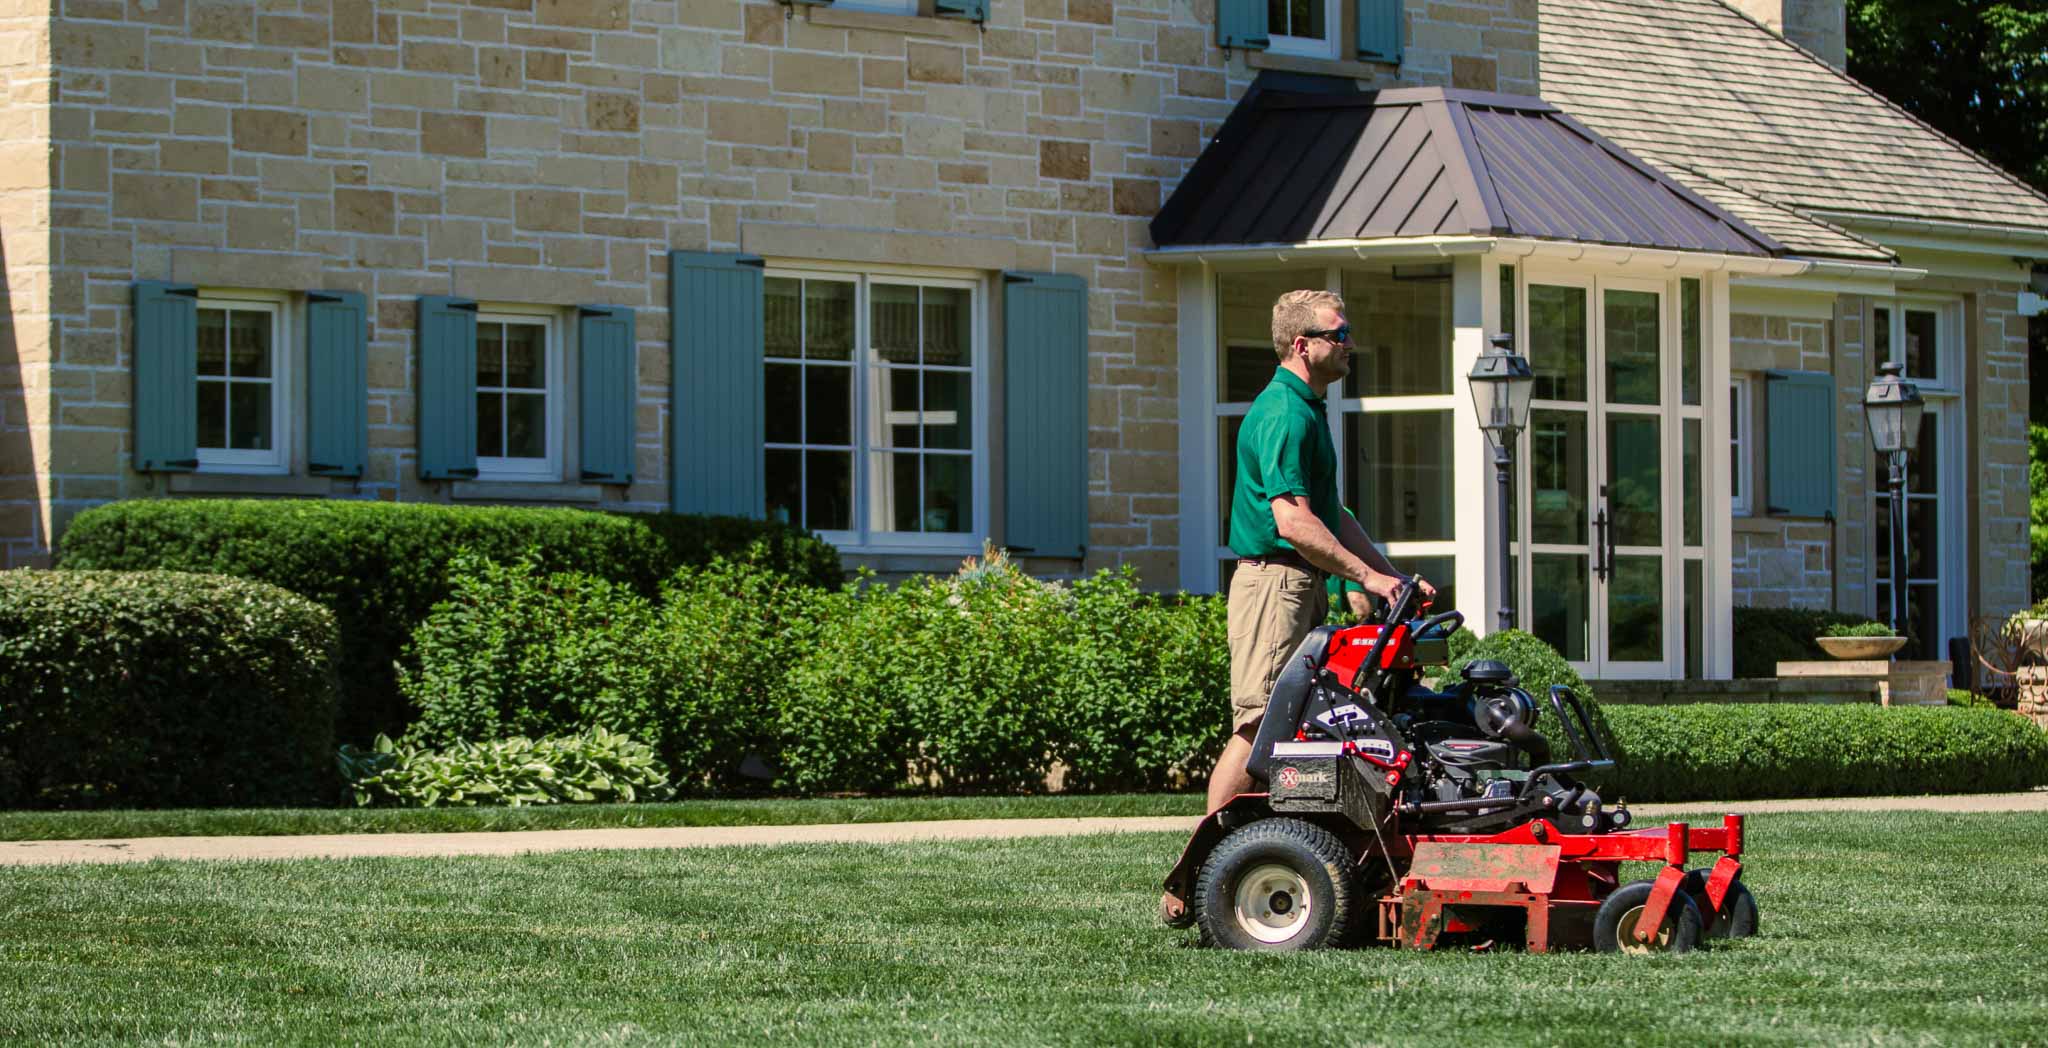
(1356,540)
(1303,530)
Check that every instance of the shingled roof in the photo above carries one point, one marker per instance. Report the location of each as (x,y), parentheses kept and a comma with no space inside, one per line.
(1295,167)
(1720,101)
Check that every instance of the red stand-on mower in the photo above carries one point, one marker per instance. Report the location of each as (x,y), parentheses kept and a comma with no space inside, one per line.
(1399,815)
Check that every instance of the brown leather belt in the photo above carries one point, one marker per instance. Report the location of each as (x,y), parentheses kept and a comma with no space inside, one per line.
(1283,557)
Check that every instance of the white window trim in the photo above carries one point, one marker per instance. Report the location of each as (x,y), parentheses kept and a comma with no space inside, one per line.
(1741,393)
(1278,43)
(1948,407)
(529,470)
(881,7)
(862,538)
(278,460)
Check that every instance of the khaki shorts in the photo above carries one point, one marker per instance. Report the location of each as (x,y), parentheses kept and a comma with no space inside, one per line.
(1271,608)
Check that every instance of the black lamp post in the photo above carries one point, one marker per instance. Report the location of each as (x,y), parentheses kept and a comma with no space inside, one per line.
(1893,406)
(1501,386)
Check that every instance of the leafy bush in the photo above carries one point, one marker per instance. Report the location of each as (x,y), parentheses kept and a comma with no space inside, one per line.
(1144,685)
(1960,697)
(2037,509)
(587,767)
(1765,637)
(514,651)
(162,689)
(1861,629)
(381,566)
(1758,750)
(954,677)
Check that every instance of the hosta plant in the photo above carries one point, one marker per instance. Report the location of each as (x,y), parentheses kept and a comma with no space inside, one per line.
(593,766)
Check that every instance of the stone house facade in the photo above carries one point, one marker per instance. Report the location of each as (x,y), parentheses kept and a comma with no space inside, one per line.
(878,266)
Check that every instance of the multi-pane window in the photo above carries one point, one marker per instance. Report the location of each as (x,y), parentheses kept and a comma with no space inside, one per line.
(1391,417)
(1305,27)
(518,397)
(1738,447)
(872,429)
(1925,337)
(243,392)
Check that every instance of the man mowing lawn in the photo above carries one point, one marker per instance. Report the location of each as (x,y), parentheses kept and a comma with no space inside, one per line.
(1287,527)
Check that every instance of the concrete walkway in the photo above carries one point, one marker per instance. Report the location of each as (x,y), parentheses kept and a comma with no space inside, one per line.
(337,846)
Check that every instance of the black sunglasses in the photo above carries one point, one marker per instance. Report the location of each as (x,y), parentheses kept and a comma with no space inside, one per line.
(1341,336)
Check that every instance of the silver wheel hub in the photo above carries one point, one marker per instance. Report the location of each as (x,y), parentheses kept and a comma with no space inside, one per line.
(1272,903)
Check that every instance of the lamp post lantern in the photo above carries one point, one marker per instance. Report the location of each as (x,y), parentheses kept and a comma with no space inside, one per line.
(1892,406)
(1501,386)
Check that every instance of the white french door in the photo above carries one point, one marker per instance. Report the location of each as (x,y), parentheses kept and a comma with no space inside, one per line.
(1600,573)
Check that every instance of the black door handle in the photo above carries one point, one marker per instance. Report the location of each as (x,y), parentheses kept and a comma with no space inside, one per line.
(1603,540)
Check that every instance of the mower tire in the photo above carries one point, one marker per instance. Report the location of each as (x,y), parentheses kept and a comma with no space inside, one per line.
(1614,924)
(1737,917)
(1278,885)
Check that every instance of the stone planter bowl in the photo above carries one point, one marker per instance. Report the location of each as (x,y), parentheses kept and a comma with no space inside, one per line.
(1860,647)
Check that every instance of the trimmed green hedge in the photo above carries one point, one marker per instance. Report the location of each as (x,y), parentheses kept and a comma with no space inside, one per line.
(1765,637)
(1745,751)
(382,566)
(162,689)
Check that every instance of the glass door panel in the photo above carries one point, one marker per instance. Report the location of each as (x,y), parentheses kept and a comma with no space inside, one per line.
(1635,609)
(1558,462)
(1635,479)
(1561,613)
(1633,340)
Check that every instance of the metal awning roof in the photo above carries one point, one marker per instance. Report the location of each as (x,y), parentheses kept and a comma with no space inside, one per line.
(1298,167)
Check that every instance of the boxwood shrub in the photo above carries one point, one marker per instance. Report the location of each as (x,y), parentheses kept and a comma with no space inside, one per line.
(1742,751)
(381,566)
(163,689)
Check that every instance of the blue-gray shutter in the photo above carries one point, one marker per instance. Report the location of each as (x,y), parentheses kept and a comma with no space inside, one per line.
(717,341)
(973,10)
(337,383)
(1800,443)
(166,377)
(447,395)
(1241,24)
(1379,29)
(608,383)
(1045,414)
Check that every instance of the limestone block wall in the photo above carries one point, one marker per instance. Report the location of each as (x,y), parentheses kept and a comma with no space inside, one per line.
(1780,563)
(25,91)
(1794,563)
(551,152)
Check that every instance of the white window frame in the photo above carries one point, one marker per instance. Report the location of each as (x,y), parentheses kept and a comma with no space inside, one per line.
(862,538)
(1279,43)
(1947,405)
(547,469)
(1741,443)
(278,460)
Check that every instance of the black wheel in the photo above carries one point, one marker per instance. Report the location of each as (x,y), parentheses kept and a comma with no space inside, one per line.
(1614,926)
(1737,917)
(1277,884)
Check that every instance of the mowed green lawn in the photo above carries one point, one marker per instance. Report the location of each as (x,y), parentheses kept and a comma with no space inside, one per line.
(272,822)
(1877,929)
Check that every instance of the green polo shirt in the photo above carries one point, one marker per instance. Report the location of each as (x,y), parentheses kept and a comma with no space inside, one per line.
(1283,448)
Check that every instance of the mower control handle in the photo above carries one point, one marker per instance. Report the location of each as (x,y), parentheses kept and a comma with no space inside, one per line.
(1455,618)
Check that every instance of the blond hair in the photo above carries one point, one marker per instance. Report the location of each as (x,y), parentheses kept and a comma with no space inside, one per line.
(1295,312)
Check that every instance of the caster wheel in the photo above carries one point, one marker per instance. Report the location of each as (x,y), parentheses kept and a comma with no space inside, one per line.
(1614,926)
(1737,917)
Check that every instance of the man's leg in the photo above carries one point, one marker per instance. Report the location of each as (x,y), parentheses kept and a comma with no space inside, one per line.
(1230,777)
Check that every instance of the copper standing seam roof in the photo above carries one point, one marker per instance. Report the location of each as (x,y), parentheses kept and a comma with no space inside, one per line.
(1292,167)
